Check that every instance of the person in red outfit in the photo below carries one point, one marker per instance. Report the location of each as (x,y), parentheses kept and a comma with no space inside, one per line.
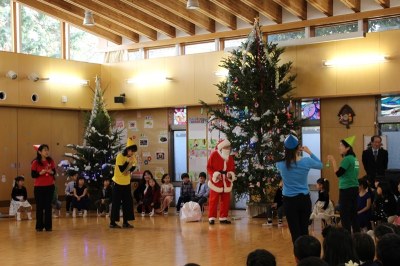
(221,168)
(43,170)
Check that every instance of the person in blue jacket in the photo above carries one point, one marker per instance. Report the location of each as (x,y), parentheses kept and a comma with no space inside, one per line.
(296,195)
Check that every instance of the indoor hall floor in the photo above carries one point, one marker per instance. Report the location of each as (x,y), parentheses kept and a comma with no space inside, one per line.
(160,240)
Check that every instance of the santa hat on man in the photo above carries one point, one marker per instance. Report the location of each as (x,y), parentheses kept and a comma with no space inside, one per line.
(223,143)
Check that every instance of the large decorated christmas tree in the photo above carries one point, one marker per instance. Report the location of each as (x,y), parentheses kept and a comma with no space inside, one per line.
(255,114)
(94,160)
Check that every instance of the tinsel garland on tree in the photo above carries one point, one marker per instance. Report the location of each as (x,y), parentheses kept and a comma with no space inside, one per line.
(94,160)
(256,114)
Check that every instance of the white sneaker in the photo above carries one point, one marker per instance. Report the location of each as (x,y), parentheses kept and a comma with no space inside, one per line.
(151,213)
(29,216)
(85,213)
(268,223)
(18,216)
(143,213)
(74,213)
(165,213)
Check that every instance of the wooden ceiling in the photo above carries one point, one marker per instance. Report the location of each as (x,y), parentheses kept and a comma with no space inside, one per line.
(138,20)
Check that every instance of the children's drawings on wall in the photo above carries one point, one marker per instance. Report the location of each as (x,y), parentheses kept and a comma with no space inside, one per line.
(132,125)
(163,137)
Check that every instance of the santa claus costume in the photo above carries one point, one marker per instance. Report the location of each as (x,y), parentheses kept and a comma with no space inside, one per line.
(220,167)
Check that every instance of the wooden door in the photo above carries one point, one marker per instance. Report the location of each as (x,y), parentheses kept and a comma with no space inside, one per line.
(8,151)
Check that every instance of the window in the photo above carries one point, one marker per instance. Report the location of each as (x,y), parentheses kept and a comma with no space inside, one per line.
(135,55)
(234,42)
(375,25)
(197,48)
(161,52)
(40,34)
(5,26)
(336,29)
(83,46)
(285,36)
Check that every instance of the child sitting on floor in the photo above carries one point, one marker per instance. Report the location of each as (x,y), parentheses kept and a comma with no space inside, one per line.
(19,202)
(80,200)
(323,207)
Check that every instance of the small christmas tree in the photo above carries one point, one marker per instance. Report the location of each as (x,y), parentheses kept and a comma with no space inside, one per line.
(256,114)
(95,159)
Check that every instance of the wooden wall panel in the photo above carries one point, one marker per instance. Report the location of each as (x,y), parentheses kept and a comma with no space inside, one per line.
(8,151)
(8,62)
(332,131)
(389,71)
(205,78)
(180,90)
(313,79)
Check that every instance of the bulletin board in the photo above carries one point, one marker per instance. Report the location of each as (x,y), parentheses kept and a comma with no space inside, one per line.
(149,128)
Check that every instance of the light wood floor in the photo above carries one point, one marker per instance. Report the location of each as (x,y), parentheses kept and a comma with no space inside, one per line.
(159,240)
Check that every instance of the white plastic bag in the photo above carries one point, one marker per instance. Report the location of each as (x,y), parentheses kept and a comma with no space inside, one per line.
(191,212)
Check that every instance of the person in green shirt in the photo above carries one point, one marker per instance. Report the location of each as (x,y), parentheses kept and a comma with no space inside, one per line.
(125,163)
(347,172)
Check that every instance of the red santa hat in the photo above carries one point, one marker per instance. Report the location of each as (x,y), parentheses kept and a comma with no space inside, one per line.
(222,144)
(36,147)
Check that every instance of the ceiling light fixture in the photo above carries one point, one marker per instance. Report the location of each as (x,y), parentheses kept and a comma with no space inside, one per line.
(192,4)
(88,20)
(358,60)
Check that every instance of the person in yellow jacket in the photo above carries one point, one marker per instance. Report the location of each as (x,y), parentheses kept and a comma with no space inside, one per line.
(125,163)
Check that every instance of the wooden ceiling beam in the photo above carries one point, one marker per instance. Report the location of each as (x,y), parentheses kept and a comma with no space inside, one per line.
(139,16)
(103,23)
(383,3)
(354,5)
(115,17)
(179,9)
(296,7)
(268,8)
(324,6)
(58,14)
(216,13)
(163,15)
(239,9)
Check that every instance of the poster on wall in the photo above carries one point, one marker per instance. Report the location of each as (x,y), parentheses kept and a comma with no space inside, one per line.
(159,172)
(132,125)
(148,122)
(143,142)
(160,155)
(197,146)
(163,137)
(120,126)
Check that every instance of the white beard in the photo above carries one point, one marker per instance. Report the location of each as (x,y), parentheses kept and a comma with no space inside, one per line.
(225,154)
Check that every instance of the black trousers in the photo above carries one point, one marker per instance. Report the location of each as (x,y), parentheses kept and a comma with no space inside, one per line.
(122,194)
(43,198)
(298,211)
(68,202)
(182,199)
(348,209)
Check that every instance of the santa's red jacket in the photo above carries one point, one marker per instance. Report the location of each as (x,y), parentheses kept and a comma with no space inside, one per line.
(218,169)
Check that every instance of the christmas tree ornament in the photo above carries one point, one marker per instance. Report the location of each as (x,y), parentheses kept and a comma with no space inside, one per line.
(276,119)
(256,104)
(246,110)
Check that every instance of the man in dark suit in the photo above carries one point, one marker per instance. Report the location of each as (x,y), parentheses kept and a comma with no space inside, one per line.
(375,159)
